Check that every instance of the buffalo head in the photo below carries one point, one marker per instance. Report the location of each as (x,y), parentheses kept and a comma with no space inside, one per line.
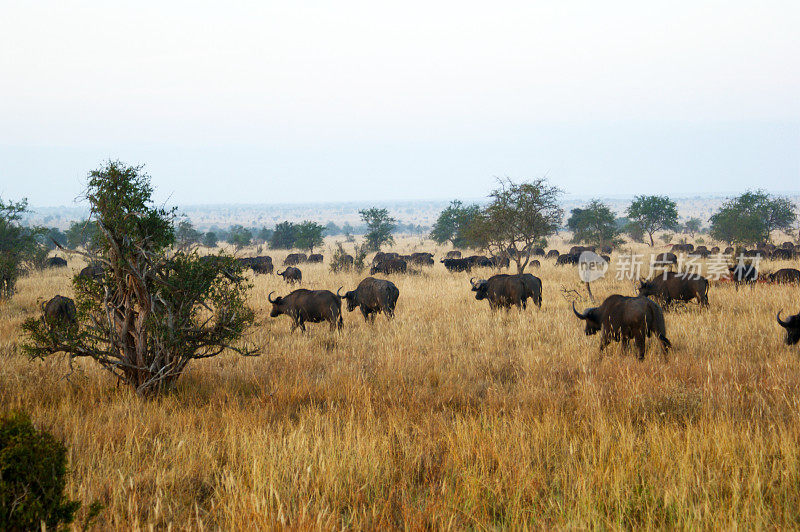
(479,287)
(593,323)
(792,326)
(276,304)
(350,297)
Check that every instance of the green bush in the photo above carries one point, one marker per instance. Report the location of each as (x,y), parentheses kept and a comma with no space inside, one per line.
(33,469)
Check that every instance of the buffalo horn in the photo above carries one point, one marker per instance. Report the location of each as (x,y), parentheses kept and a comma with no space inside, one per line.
(339,290)
(783,324)
(580,316)
(269,297)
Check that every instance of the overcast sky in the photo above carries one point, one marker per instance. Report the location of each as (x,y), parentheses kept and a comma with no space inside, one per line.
(266,102)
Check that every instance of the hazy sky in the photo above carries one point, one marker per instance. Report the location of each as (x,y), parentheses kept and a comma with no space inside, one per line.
(268,102)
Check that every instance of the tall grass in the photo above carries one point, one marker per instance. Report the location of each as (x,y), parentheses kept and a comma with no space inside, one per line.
(450,416)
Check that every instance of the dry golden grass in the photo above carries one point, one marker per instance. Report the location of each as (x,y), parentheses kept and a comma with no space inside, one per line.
(448,417)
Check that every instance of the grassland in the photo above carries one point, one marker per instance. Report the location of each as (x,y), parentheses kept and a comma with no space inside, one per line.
(450,416)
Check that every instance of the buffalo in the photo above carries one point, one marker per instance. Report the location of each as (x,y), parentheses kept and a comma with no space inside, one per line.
(782,254)
(372,296)
(500,262)
(676,287)
(315,258)
(623,318)
(55,262)
(568,258)
(312,306)
(261,264)
(552,254)
(479,261)
(453,255)
(293,259)
(785,276)
(381,256)
(665,259)
(60,310)
(502,291)
(457,265)
(291,275)
(535,264)
(538,252)
(729,250)
(686,248)
(743,273)
(788,245)
(792,326)
(92,271)
(421,259)
(390,265)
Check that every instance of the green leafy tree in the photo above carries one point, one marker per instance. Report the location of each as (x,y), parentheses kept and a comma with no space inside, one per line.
(692,226)
(379,227)
(453,223)
(751,218)
(33,477)
(154,309)
(309,235)
(52,238)
(284,236)
(519,217)
(595,224)
(19,245)
(239,236)
(331,229)
(210,239)
(81,234)
(653,213)
(264,235)
(186,235)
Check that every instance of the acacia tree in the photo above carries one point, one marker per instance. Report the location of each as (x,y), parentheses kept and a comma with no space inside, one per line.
(519,217)
(154,309)
(653,213)
(692,226)
(751,218)
(594,224)
(379,227)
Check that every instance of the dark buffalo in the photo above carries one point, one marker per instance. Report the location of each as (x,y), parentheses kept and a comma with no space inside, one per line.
(381,256)
(700,253)
(347,260)
(538,252)
(453,255)
(782,254)
(685,248)
(743,274)
(457,265)
(785,276)
(502,291)
(262,264)
(388,266)
(792,326)
(291,275)
(715,250)
(500,262)
(607,250)
(729,251)
(568,258)
(676,287)
(788,245)
(479,261)
(421,259)
(55,262)
(755,253)
(552,254)
(312,306)
(577,250)
(316,258)
(372,296)
(623,318)
(293,259)
(533,288)
(535,264)
(92,271)
(60,310)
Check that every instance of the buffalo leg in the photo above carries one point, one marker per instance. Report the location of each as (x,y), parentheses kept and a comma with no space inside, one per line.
(640,344)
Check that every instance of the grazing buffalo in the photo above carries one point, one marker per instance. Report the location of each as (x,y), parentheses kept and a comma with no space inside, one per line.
(502,291)
(291,275)
(782,254)
(535,264)
(676,287)
(381,256)
(577,250)
(686,248)
(700,253)
(500,262)
(538,252)
(792,326)
(568,258)
(533,288)
(60,310)
(785,276)
(92,271)
(788,245)
(623,318)
(312,306)
(479,261)
(347,261)
(372,296)
(315,258)
(743,273)
(421,259)
(293,259)
(665,259)
(457,265)
(552,254)
(715,250)
(261,264)
(388,266)
(453,255)
(729,251)
(55,262)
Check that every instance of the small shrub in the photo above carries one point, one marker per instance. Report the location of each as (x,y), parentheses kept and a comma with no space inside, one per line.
(33,470)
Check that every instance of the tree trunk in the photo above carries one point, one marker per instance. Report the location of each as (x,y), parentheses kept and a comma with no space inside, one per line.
(651,240)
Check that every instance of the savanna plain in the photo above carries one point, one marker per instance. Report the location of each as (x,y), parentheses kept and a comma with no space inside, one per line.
(450,416)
